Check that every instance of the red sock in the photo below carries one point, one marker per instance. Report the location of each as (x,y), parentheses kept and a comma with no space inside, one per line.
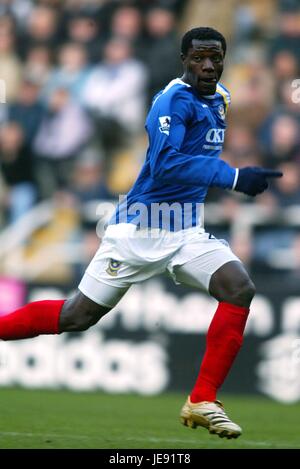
(223,342)
(39,317)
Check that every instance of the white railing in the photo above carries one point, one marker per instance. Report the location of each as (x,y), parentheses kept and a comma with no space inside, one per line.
(15,237)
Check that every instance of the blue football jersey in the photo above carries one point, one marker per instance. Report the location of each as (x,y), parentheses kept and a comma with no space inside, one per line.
(186,135)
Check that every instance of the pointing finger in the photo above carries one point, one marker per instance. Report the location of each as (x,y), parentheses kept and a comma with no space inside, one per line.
(271,173)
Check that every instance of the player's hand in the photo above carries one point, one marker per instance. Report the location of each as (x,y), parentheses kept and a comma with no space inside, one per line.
(254,180)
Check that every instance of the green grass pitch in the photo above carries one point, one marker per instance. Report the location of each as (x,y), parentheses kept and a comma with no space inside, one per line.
(61,419)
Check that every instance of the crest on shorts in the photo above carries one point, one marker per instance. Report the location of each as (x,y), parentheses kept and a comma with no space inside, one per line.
(113,267)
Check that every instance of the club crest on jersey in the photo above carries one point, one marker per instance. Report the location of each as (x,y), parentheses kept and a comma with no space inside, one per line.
(165,122)
(113,267)
(221,111)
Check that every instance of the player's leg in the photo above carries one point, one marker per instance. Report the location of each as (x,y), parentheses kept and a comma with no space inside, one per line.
(79,313)
(231,283)
(225,278)
(38,317)
(234,290)
(100,289)
(51,317)
(93,300)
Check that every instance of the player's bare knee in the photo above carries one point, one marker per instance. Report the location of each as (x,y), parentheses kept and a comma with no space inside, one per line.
(243,292)
(78,321)
(77,316)
(84,321)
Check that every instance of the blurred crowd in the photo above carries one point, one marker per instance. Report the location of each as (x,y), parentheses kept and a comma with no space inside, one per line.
(80,75)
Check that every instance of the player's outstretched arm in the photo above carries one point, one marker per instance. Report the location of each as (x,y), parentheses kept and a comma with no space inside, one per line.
(253,180)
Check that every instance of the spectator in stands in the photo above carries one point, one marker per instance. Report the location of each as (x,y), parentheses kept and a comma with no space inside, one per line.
(18,9)
(280,139)
(17,171)
(285,102)
(287,191)
(10,65)
(85,30)
(72,71)
(88,178)
(27,109)
(160,48)
(242,145)
(42,29)
(127,23)
(176,6)
(287,34)
(90,6)
(116,88)
(100,11)
(252,89)
(38,64)
(63,132)
(285,66)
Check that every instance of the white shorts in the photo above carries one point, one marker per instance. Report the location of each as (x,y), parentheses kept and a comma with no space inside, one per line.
(128,255)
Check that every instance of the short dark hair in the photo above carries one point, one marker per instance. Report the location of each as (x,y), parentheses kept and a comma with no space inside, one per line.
(201,33)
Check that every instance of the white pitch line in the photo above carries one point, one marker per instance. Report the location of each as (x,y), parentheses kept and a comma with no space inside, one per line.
(215,441)
(146,439)
(44,435)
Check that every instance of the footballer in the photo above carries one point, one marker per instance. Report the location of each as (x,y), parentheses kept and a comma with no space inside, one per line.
(159,228)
